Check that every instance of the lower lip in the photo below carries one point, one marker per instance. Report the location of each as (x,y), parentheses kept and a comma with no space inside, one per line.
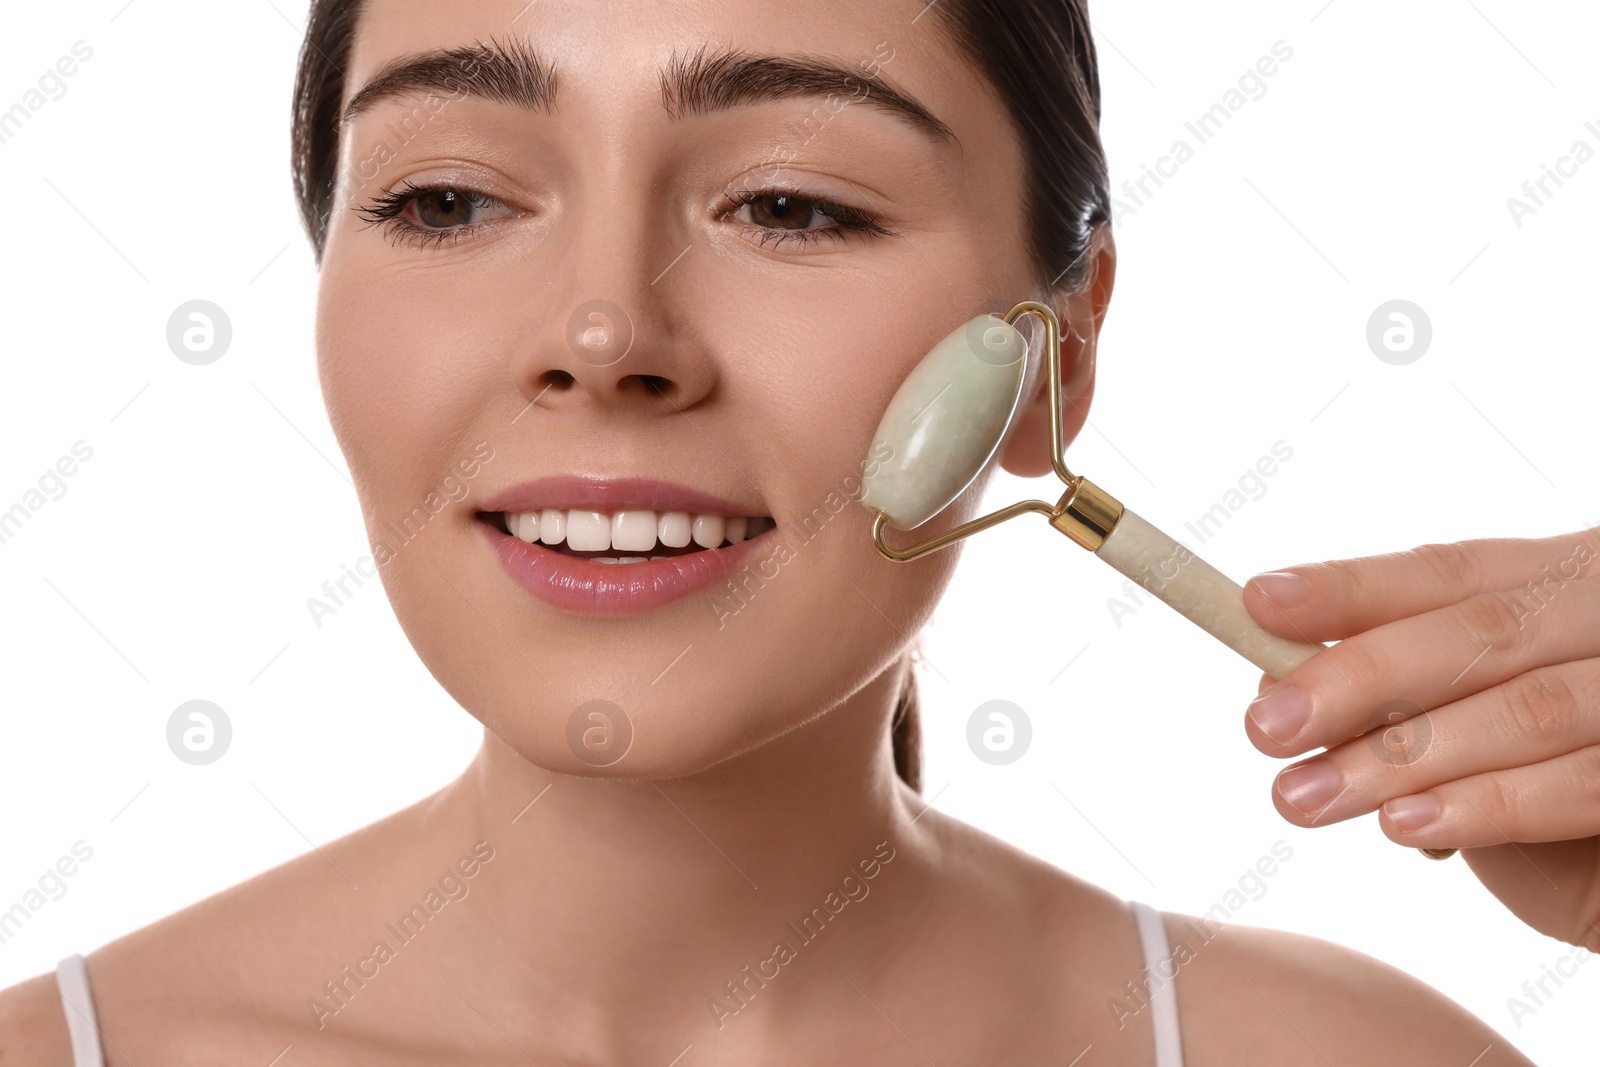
(582,586)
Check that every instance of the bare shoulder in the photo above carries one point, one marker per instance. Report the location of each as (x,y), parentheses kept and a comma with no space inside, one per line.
(227,978)
(33,1028)
(1293,999)
(1013,937)
(1245,994)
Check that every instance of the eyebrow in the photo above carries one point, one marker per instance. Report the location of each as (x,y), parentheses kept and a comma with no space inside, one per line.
(506,73)
(723,80)
(700,84)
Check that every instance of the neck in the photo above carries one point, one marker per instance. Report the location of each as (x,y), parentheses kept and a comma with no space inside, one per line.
(630,909)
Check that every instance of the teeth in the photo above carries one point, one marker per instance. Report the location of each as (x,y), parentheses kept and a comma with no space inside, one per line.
(588,531)
(552,526)
(708,530)
(634,531)
(674,528)
(525,526)
(631,531)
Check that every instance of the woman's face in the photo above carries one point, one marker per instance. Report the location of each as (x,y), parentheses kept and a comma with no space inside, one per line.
(666,254)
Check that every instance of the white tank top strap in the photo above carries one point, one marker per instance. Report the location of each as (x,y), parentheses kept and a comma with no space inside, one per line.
(1163,989)
(72,976)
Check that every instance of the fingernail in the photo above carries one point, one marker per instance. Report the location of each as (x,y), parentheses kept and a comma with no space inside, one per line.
(1309,786)
(1284,588)
(1410,814)
(1280,712)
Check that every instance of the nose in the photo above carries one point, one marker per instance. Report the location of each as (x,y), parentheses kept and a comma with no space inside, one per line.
(621,330)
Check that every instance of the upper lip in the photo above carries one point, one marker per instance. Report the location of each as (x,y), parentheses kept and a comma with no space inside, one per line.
(567,492)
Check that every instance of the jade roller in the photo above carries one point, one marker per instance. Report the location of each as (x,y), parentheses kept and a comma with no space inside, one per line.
(944,425)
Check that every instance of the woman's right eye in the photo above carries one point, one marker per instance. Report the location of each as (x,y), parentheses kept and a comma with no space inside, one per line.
(448,207)
(441,212)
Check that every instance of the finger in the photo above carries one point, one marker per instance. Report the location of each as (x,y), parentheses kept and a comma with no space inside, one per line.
(1403,668)
(1530,720)
(1332,600)
(1558,800)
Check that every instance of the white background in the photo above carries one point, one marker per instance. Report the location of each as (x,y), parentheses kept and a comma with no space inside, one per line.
(1376,166)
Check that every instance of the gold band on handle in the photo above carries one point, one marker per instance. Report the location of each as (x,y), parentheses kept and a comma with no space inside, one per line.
(1087,514)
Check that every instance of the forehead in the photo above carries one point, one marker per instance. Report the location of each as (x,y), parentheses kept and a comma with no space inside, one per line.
(614,53)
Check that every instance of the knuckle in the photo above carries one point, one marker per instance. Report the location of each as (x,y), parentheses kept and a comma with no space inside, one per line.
(1490,619)
(1404,737)
(1498,802)
(1584,780)
(1540,704)
(1453,565)
(1357,665)
(1349,579)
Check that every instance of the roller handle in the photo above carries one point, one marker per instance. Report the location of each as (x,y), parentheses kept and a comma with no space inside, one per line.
(1199,592)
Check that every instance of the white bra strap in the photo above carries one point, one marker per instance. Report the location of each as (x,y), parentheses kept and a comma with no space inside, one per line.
(1163,984)
(72,975)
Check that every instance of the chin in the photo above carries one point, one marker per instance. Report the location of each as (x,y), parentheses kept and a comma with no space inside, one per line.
(629,735)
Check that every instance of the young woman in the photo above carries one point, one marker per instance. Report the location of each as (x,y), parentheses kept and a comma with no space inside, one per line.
(612,299)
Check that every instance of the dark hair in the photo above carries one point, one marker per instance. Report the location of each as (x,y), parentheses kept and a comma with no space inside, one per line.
(905,728)
(1039,56)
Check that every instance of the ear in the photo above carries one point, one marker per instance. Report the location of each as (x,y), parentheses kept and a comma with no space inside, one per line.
(1027,452)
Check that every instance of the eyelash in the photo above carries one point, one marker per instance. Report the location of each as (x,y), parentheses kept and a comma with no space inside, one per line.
(848,220)
(387,211)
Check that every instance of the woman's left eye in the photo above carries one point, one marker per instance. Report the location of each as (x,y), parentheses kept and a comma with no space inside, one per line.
(783,212)
(785,216)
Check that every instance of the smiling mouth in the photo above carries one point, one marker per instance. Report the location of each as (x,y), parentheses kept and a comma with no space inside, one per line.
(624,537)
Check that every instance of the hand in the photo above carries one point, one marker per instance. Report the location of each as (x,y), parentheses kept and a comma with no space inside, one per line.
(1462,702)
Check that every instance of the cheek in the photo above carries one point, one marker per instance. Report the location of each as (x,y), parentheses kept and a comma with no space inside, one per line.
(404,376)
(369,371)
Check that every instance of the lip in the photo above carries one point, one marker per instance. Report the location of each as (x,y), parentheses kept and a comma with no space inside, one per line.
(582,586)
(613,495)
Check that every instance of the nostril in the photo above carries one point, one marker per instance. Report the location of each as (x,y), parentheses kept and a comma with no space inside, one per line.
(558,379)
(654,383)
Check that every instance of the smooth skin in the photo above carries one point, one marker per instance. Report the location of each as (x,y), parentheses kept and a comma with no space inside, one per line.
(620,901)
